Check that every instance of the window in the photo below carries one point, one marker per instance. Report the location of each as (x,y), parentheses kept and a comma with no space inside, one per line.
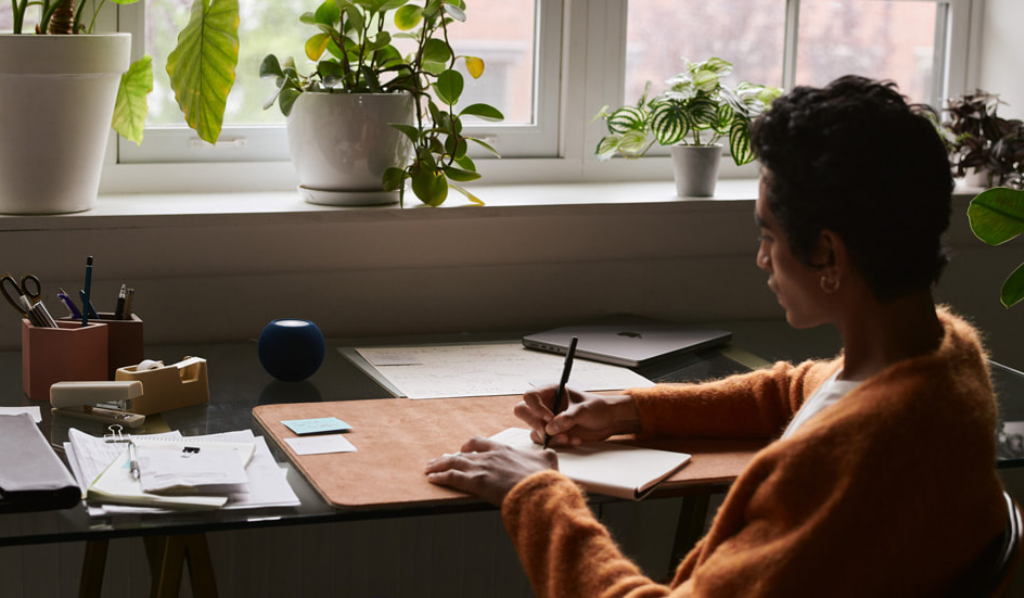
(551,66)
(509,36)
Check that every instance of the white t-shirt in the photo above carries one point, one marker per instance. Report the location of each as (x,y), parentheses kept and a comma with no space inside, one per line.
(828,393)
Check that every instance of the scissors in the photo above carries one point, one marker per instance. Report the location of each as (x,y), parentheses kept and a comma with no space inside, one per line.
(24,297)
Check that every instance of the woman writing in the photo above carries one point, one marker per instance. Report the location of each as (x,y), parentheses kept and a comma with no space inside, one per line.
(881,479)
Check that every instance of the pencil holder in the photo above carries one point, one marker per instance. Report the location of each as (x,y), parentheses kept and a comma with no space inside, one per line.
(124,342)
(68,353)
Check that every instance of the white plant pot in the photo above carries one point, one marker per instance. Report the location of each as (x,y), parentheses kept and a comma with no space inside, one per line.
(341,144)
(57,96)
(695,168)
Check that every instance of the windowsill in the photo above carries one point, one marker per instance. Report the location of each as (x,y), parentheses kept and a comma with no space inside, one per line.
(117,211)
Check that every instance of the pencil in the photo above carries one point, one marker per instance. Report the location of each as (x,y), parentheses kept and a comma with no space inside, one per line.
(556,405)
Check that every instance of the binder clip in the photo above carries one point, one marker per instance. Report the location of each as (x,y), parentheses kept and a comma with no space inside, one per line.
(83,400)
(167,387)
(115,435)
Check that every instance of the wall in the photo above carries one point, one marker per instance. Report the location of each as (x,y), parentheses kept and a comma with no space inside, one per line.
(1001,51)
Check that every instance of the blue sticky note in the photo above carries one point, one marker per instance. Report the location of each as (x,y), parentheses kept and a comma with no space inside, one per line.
(319,425)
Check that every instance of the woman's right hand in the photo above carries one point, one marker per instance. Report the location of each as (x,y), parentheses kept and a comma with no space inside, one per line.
(587,416)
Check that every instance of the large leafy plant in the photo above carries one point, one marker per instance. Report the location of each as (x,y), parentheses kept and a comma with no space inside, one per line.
(978,138)
(354,51)
(201,67)
(996,216)
(696,109)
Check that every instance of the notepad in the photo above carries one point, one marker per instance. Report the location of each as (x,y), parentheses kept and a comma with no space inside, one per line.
(610,468)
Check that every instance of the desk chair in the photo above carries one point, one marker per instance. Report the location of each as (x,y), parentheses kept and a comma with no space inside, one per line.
(990,573)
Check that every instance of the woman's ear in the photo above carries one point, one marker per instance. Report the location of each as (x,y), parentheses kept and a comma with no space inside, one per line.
(830,252)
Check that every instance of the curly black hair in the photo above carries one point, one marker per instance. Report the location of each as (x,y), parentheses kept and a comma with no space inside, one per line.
(856,158)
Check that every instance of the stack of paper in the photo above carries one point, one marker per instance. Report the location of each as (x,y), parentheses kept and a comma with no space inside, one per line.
(233,470)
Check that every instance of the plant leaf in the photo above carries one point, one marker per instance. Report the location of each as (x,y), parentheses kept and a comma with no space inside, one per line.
(484,111)
(469,196)
(393,178)
(449,86)
(1013,288)
(410,131)
(474,65)
(202,66)
(408,17)
(670,122)
(997,215)
(607,147)
(317,45)
(430,186)
(271,67)
(457,174)
(627,118)
(436,50)
(456,13)
(130,108)
(739,142)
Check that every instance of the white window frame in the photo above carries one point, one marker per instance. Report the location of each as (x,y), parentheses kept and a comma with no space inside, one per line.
(581,58)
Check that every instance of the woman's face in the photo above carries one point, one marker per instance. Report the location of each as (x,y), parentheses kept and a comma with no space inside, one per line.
(796,286)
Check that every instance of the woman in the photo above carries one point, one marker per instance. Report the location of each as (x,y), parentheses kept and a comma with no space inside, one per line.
(881,481)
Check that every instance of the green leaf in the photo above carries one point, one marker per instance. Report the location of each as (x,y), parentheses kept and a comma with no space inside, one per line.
(1013,288)
(463,176)
(449,86)
(202,66)
(436,50)
(627,118)
(633,144)
(393,178)
(484,111)
(997,215)
(430,186)
(670,122)
(410,131)
(316,45)
(327,14)
(484,145)
(408,17)
(270,67)
(739,142)
(703,113)
(465,162)
(607,147)
(130,108)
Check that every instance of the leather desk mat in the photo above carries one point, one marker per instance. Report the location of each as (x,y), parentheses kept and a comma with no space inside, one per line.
(395,438)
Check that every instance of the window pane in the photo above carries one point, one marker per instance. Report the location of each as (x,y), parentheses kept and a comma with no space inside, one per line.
(502,34)
(748,33)
(881,40)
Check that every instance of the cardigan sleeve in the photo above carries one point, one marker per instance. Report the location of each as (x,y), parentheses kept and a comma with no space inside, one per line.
(757,404)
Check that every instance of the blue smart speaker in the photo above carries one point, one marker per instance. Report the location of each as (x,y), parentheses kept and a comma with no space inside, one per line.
(291,350)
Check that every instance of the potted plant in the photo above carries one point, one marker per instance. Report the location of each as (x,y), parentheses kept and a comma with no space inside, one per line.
(361,78)
(691,116)
(69,85)
(983,147)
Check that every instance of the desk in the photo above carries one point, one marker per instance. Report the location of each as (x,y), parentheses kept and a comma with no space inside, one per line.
(238,384)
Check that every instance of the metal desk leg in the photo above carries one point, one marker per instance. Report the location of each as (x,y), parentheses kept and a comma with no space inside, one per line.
(692,516)
(167,557)
(95,561)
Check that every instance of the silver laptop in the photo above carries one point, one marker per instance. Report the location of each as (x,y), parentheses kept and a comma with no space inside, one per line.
(630,341)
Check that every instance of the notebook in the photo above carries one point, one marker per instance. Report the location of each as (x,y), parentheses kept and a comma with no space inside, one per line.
(619,470)
(630,341)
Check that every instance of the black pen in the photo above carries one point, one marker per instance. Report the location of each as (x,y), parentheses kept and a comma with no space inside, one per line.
(119,309)
(556,405)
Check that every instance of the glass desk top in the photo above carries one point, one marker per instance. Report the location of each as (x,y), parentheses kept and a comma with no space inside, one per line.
(238,384)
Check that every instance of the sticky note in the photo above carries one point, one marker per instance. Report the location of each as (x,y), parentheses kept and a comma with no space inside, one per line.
(319,425)
(319,445)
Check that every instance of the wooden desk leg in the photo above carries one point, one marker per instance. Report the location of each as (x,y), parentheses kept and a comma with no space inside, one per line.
(692,516)
(167,557)
(91,583)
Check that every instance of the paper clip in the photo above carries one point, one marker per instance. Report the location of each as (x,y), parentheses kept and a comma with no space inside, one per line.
(116,435)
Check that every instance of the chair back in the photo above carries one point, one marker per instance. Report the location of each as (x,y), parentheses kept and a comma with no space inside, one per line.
(990,573)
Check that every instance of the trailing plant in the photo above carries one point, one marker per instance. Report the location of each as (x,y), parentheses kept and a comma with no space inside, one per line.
(201,67)
(978,138)
(696,109)
(354,51)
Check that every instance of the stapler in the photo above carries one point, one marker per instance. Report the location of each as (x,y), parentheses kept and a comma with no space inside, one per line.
(80,399)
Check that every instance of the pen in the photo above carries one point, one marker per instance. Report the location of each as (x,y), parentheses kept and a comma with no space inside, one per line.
(134,461)
(119,310)
(87,291)
(556,405)
(72,308)
(127,315)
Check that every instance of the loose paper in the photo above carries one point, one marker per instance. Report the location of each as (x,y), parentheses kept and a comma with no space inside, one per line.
(320,445)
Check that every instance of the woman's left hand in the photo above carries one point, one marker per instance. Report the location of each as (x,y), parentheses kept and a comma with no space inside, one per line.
(488,469)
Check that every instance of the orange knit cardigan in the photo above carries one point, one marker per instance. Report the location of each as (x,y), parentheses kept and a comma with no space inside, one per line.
(889,492)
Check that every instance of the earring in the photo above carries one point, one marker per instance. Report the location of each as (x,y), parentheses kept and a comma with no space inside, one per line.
(828,286)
